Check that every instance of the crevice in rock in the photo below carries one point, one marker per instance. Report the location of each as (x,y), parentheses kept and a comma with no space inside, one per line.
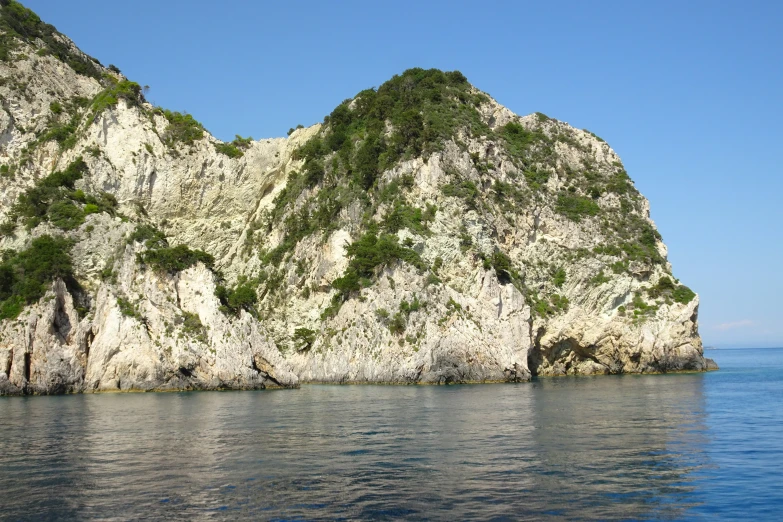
(61,321)
(153,179)
(89,338)
(266,375)
(27,367)
(9,363)
(186,372)
(534,355)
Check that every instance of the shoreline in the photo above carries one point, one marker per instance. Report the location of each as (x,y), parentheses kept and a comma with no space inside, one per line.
(349,383)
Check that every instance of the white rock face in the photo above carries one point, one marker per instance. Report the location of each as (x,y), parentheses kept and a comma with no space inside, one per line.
(458,321)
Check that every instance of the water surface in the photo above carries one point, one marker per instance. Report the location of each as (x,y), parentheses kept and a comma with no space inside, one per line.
(687,446)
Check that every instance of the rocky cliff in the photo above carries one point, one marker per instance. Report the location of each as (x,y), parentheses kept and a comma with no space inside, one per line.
(422,233)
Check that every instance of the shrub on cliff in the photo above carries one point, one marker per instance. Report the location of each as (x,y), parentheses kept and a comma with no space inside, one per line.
(53,199)
(369,253)
(25,276)
(576,207)
(175,259)
(235,148)
(109,97)
(182,128)
(241,297)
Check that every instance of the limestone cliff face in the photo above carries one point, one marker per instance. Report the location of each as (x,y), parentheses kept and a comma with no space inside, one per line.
(423,233)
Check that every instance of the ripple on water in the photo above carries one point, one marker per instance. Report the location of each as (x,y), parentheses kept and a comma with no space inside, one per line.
(635,447)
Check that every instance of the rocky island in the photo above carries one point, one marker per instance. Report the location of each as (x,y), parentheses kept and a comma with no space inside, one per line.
(423,233)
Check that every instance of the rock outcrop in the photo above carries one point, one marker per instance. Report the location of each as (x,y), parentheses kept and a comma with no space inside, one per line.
(422,234)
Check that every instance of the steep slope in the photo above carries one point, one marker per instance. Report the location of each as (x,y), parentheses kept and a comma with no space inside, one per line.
(422,233)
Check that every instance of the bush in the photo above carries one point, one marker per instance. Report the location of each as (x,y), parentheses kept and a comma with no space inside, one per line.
(368,254)
(52,199)
(666,288)
(397,324)
(242,297)
(128,309)
(465,190)
(519,140)
(304,338)
(26,276)
(193,327)
(536,178)
(150,236)
(182,128)
(576,207)
(175,259)
(229,149)
(502,265)
(65,215)
(559,278)
(109,97)
(683,295)
(403,216)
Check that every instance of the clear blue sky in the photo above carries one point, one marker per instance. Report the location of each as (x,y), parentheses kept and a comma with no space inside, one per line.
(687,93)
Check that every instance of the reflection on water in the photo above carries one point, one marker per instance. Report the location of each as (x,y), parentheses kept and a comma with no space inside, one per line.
(623,447)
(607,447)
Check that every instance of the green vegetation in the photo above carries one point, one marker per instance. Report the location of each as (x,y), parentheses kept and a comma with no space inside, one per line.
(54,199)
(641,309)
(16,21)
(465,190)
(576,207)
(414,115)
(546,307)
(599,279)
(343,162)
(149,235)
(559,278)
(536,178)
(174,259)
(229,150)
(109,97)
(129,309)
(593,135)
(291,130)
(519,140)
(541,117)
(399,322)
(26,276)
(193,327)
(304,339)
(62,132)
(367,255)
(62,123)
(666,289)
(164,258)
(403,216)
(183,128)
(234,149)
(241,297)
(503,267)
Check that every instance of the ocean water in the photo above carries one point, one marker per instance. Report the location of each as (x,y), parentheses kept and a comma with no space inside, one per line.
(690,446)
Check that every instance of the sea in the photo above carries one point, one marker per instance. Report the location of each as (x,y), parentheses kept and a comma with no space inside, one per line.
(634,447)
